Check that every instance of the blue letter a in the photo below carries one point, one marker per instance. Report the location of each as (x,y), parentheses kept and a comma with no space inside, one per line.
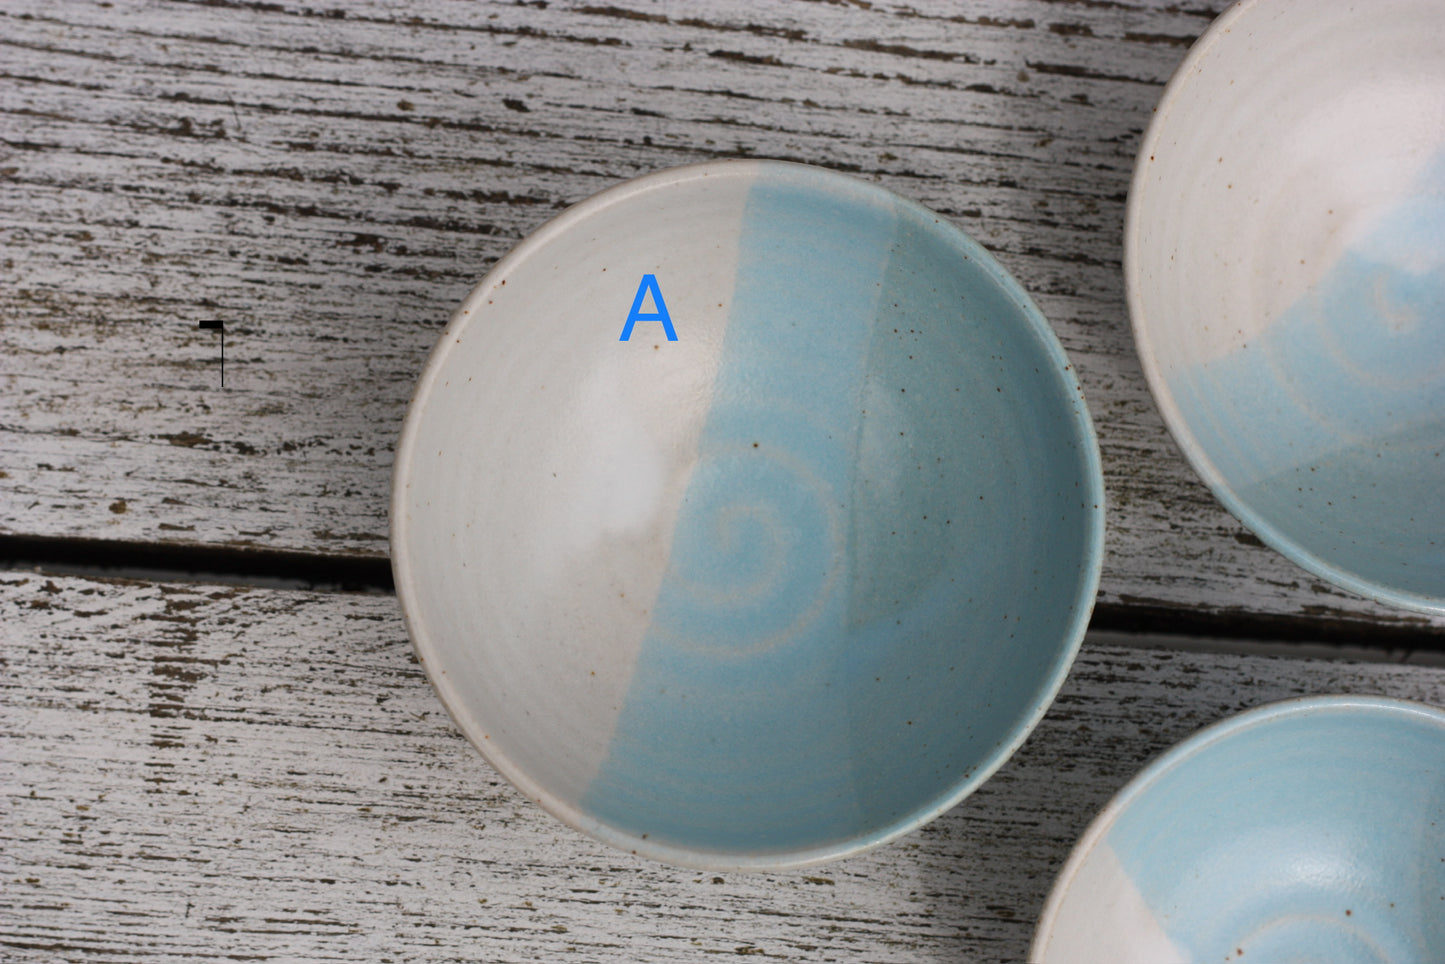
(649,283)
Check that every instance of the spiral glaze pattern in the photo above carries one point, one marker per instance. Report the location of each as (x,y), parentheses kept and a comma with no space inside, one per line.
(1325,939)
(761,549)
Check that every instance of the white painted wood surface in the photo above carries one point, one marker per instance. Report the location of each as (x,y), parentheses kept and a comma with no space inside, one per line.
(208,773)
(332,178)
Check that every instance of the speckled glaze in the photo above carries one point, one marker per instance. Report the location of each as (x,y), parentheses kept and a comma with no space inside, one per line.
(776,591)
(1285,261)
(1309,830)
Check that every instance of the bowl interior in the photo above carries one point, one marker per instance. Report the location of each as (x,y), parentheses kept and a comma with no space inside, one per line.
(1305,831)
(1286,275)
(777,589)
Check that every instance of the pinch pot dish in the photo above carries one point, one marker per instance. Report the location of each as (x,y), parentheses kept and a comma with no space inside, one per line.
(747,515)
(1285,268)
(1308,830)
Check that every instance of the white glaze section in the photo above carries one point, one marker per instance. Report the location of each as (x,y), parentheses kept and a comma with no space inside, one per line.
(1114,907)
(1276,161)
(566,490)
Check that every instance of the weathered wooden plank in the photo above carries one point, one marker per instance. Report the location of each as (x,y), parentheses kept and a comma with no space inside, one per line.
(209,773)
(333,180)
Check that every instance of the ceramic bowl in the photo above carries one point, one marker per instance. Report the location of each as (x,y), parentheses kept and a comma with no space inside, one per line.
(1285,267)
(1308,830)
(747,515)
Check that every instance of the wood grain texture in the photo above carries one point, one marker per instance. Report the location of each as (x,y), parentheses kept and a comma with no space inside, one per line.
(331,179)
(206,773)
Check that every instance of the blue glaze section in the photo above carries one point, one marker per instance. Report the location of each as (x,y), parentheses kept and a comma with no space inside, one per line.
(967,519)
(1329,430)
(861,604)
(731,709)
(1306,835)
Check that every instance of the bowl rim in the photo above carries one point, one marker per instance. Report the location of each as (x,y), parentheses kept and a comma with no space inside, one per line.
(1090,563)
(1181,753)
(1149,147)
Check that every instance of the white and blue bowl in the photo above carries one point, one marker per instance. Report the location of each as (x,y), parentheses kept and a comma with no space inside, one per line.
(747,515)
(1285,267)
(1311,830)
